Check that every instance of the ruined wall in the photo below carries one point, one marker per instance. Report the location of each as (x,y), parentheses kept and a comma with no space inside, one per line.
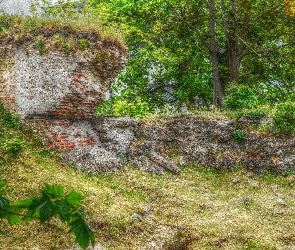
(55,84)
(57,93)
(195,139)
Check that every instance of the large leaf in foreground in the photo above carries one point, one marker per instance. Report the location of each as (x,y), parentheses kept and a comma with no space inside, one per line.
(82,232)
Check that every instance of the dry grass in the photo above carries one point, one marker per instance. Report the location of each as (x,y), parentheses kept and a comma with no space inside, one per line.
(195,210)
(57,33)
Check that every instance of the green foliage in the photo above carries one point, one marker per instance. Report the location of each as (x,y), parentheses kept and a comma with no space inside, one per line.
(121,107)
(240,97)
(12,145)
(258,112)
(171,38)
(238,135)
(272,94)
(52,202)
(136,109)
(40,46)
(9,120)
(83,44)
(284,118)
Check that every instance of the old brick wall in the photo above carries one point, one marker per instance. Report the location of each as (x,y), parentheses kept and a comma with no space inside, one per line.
(56,93)
(8,84)
(55,84)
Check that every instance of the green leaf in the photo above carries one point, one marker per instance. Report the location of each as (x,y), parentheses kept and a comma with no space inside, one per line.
(2,192)
(53,191)
(46,211)
(13,219)
(4,203)
(23,204)
(63,209)
(2,184)
(82,232)
(1,232)
(74,198)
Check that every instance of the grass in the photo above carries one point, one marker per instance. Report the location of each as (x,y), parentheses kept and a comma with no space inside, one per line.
(198,209)
(56,33)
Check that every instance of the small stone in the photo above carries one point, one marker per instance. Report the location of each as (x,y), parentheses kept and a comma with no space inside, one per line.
(136,217)
(120,216)
(236,180)
(274,188)
(147,208)
(153,198)
(246,201)
(282,202)
(279,213)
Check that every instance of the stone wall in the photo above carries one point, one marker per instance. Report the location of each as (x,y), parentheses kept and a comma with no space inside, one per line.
(193,140)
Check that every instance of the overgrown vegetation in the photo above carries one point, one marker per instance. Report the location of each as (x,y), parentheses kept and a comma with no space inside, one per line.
(284,118)
(57,34)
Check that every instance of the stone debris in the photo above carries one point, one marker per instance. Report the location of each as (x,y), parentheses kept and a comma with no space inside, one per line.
(282,202)
(136,217)
(236,180)
(93,159)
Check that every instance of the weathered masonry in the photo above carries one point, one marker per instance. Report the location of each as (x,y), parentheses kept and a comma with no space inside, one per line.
(57,90)
(56,93)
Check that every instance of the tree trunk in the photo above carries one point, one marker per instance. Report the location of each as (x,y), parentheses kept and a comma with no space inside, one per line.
(234,67)
(217,88)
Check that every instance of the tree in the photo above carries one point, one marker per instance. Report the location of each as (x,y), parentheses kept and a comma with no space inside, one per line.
(181,37)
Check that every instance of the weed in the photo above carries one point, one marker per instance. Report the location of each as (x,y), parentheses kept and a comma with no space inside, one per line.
(83,44)
(40,46)
(238,135)
(65,47)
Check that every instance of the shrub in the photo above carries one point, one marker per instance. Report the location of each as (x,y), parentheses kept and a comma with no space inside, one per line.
(83,44)
(240,97)
(253,112)
(121,107)
(137,109)
(284,118)
(238,135)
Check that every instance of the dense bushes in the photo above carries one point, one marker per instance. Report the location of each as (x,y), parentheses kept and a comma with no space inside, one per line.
(240,97)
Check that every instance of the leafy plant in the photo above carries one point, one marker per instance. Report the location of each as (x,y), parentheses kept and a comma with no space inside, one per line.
(238,135)
(40,46)
(284,118)
(83,44)
(121,107)
(240,97)
(252,112)
(52,202)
